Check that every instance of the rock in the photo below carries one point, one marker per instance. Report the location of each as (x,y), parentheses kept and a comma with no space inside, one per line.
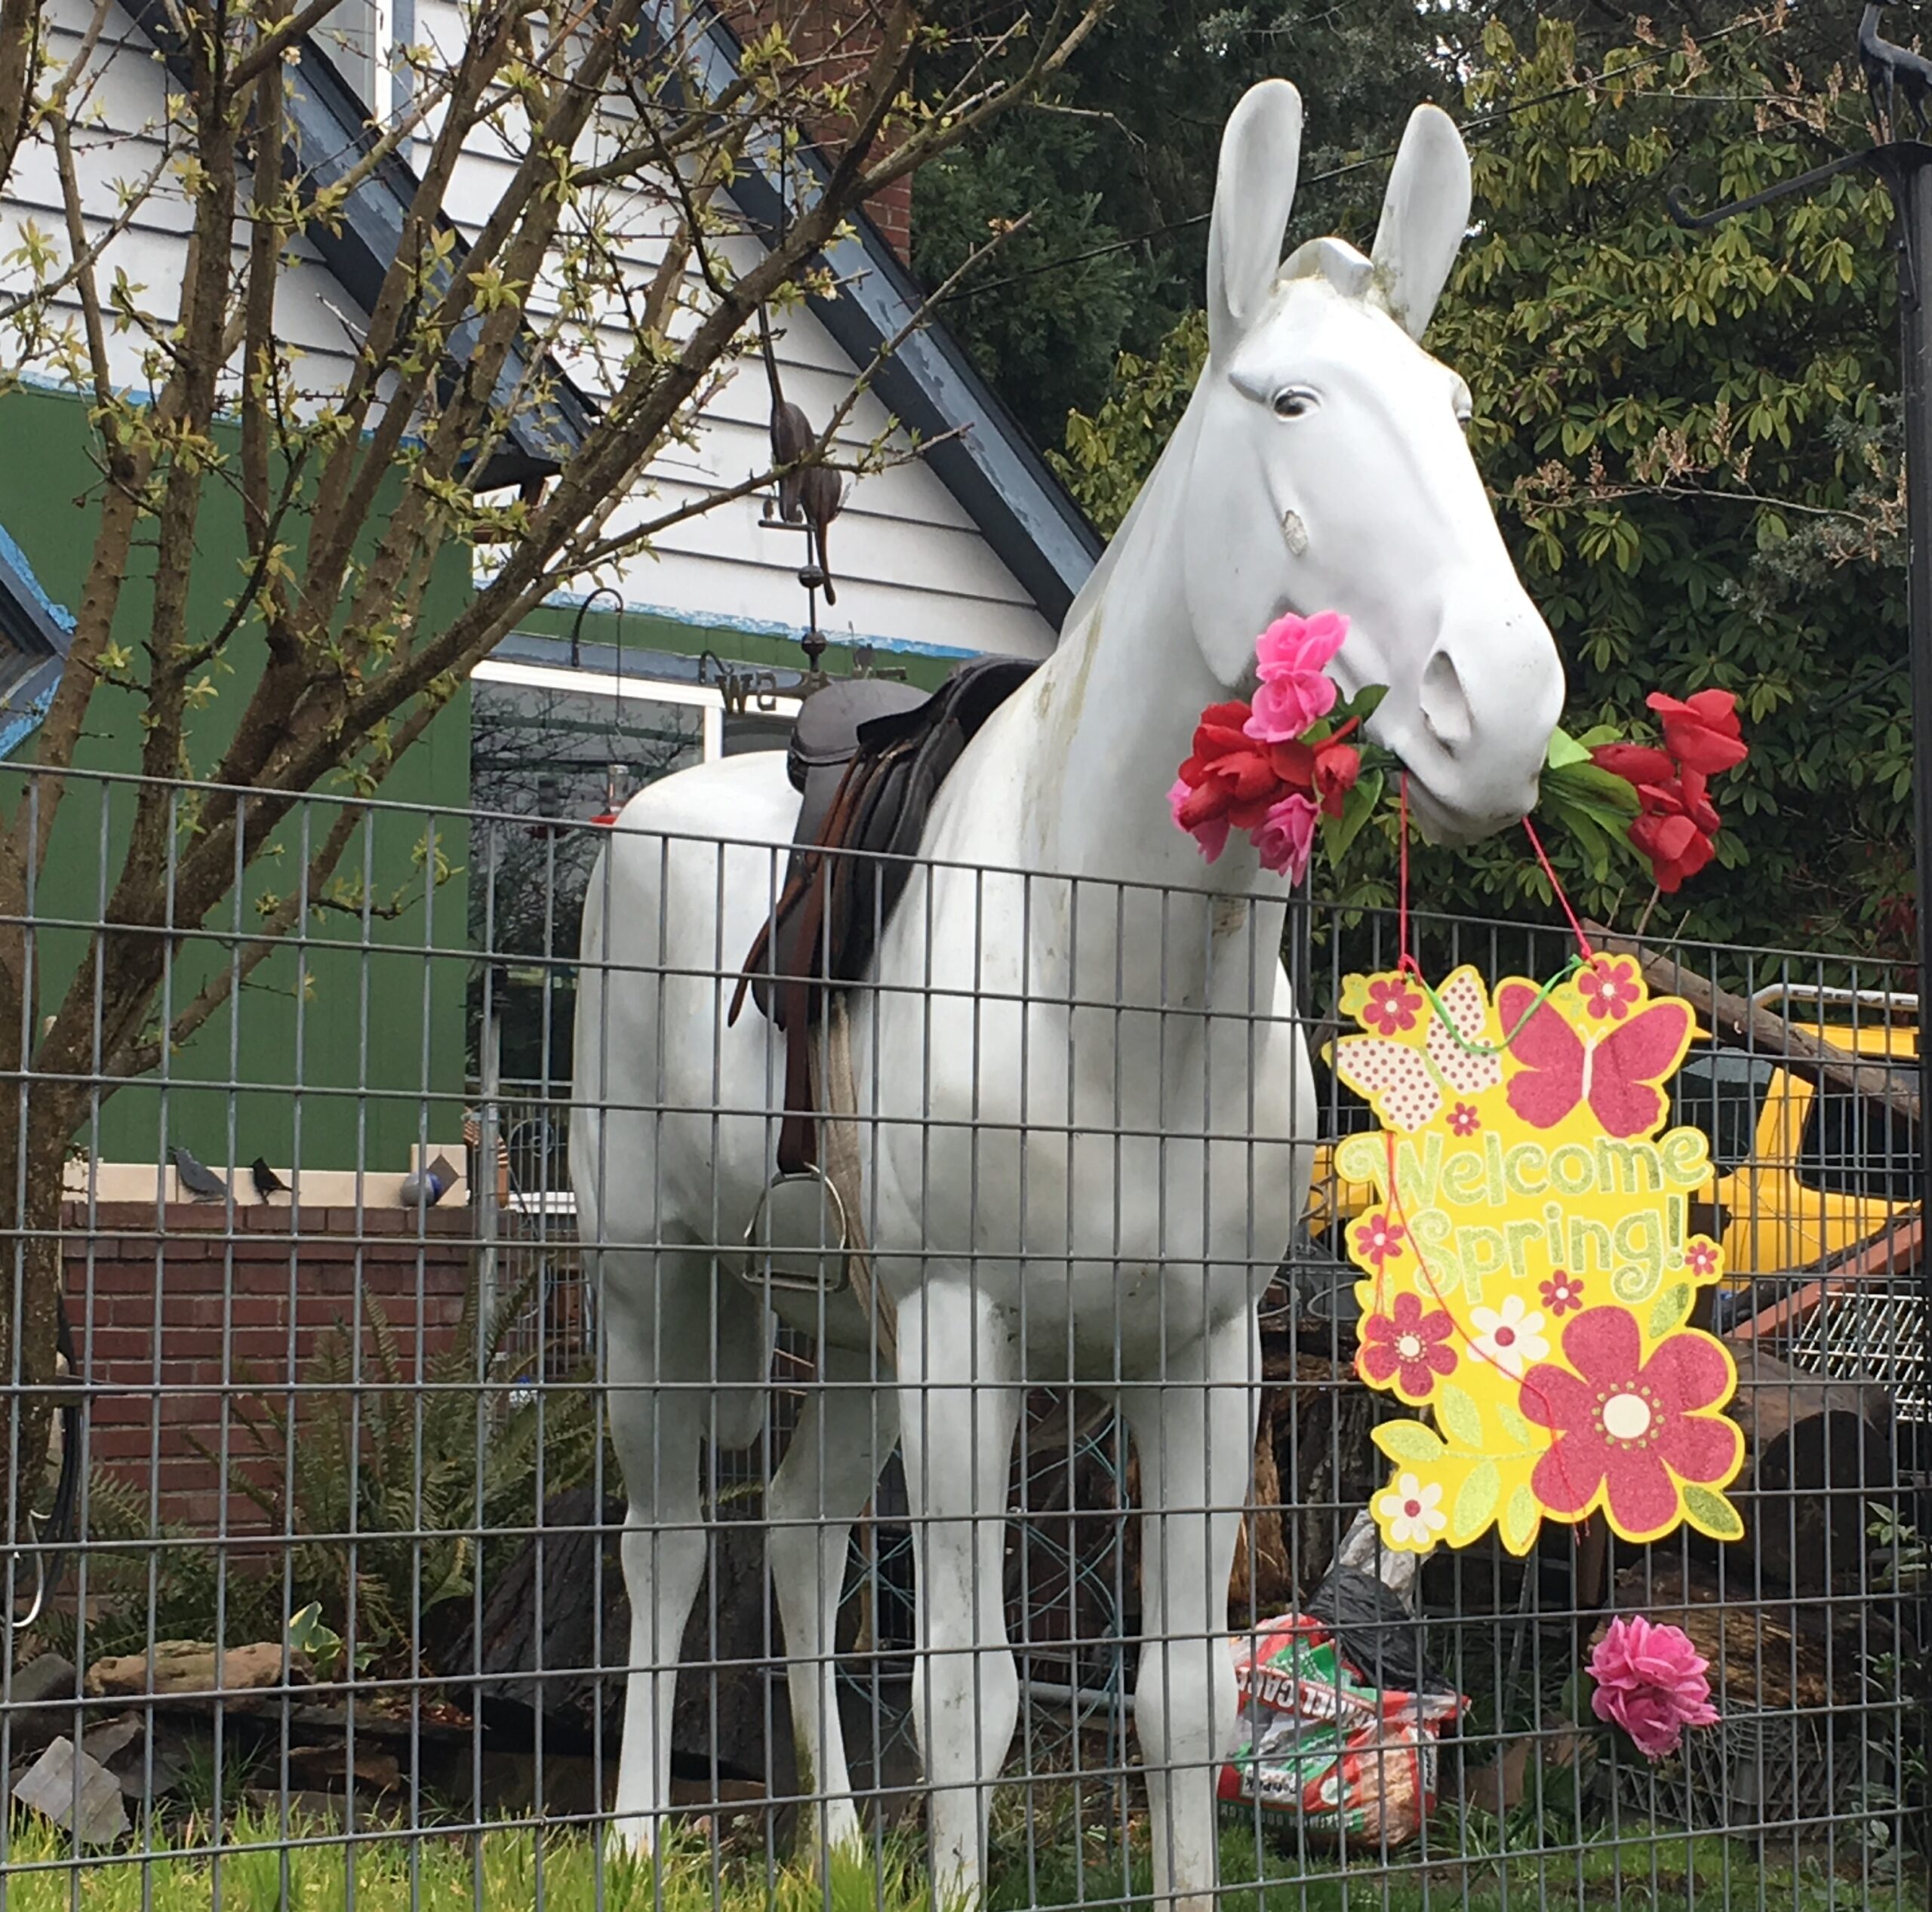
(96,1815)
(189,1668)
(49,1677)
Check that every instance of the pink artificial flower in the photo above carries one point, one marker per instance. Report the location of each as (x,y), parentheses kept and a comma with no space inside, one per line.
(1650,1682)
(1286,838)
(1292,654)
(1211,834)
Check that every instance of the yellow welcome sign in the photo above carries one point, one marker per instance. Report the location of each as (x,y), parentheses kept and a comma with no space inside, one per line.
(1528,1268)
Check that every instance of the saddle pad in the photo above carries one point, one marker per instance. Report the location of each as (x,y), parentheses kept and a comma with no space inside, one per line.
(860,826)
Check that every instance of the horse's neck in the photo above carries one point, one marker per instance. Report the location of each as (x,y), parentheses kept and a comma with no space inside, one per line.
(1115,718)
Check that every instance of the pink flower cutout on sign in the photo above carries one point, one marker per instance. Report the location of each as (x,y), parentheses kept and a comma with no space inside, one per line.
(1629,1429)
(1562,1293)
(1650,1680)
(1609,987)
(1293,654)
(1391,1007)
(1407,1347)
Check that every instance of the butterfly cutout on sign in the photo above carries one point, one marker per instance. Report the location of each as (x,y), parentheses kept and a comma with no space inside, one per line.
(1405,1085)
(1620,1074)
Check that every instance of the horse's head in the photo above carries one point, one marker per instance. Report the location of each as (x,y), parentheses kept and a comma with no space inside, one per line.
(1329,471)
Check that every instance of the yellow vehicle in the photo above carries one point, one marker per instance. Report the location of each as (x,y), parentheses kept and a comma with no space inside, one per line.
(1802,1172)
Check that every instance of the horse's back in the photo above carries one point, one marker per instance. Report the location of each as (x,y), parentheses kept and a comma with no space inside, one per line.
(675,901)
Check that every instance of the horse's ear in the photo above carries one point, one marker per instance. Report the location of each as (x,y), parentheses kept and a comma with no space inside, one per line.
(1255,191)
(1425,215)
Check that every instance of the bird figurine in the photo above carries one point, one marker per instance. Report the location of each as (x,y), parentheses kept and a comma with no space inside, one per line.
(267,1182)
(424,1188)
(197,1178)
(807,494)
(1891,70)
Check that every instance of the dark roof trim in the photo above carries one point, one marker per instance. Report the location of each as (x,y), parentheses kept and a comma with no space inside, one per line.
(1002,483)
(34,634)
(327,136)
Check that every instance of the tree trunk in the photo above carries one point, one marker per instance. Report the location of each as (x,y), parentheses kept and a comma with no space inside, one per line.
(32,1148)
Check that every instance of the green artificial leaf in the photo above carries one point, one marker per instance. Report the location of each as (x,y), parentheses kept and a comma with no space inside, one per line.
(1564,750)
(1475,1504)
(1521,1518)
(1584,786)
(1407,1440)
(1459,1417)
(1364,703)
(1337,833)
(1711,1513)
(1673,1311)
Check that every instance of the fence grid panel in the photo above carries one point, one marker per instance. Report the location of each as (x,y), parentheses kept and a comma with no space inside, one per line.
(325,1528)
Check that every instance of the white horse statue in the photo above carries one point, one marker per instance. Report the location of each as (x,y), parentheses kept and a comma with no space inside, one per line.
(1088,1106)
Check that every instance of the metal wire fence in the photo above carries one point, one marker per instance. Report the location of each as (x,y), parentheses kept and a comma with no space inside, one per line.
(334,1600)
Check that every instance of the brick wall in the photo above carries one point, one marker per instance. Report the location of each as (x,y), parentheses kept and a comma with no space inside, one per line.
(216,1310)
(833,39)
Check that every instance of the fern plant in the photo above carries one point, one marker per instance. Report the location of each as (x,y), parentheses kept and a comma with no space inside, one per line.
(385,1483)
(142,1579)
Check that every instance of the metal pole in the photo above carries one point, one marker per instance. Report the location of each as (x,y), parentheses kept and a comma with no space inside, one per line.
(1909,171)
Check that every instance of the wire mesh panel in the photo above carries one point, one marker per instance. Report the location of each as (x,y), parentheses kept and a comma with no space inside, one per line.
(472,1503)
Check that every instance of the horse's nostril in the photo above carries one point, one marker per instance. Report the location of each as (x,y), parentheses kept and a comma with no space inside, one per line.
(1445,703)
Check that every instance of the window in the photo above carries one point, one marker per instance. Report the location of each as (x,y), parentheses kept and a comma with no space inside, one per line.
(1854,1146)
(1722,1094)
(551,747)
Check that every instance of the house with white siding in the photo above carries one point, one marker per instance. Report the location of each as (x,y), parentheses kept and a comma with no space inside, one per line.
(966,544)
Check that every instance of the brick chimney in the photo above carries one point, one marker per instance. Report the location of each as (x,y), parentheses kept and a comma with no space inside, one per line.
(814,27)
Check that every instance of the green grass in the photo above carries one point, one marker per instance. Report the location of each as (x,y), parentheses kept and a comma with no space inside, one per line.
(506,1869)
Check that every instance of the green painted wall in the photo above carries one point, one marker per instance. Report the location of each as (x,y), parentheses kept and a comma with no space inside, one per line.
(353,1042)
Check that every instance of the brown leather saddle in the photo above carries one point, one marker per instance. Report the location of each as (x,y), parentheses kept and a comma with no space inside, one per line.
(867,756)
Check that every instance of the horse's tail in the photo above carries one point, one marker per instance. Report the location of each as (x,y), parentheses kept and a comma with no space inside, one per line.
(589,1055)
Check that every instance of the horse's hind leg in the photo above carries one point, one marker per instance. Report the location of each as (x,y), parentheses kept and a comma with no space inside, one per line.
(658,1336)
(833,1461)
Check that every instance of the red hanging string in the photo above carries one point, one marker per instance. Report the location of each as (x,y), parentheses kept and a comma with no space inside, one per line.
(1404,960)
(1536,843)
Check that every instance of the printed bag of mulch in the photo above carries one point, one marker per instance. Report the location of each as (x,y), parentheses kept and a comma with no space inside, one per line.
(1321,1744)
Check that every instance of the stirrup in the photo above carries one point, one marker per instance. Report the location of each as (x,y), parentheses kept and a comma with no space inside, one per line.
(797,1238)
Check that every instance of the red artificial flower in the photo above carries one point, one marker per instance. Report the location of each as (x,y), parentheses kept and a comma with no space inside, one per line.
(1635,762)
(1335,768)
(1702,731)
(1675,846)
(1407,1347)
(1627,1430)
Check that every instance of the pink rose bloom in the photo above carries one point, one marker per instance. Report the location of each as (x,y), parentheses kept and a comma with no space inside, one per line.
(1211,836)
(1286,838)
(1650,1682)
(1293,654)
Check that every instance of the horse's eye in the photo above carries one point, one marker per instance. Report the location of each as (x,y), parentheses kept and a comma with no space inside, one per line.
(1292,402)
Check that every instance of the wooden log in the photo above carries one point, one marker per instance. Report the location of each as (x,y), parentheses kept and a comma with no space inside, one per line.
(1735,1021)
(1818,1453)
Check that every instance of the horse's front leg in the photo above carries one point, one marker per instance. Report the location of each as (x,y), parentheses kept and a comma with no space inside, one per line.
(1193,1431)
(958,1406)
